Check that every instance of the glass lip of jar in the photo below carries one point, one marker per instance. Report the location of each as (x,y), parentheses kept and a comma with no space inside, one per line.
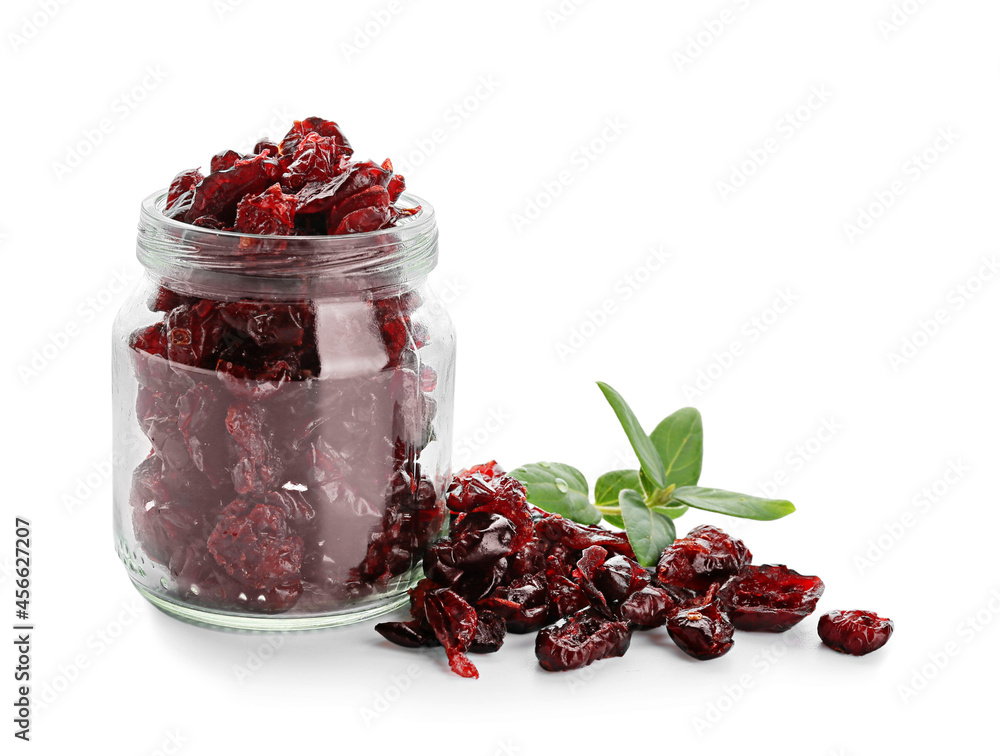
(216,260)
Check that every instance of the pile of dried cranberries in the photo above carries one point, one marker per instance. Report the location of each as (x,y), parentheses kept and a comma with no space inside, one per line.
(509,566)
(306,185)
(272,483)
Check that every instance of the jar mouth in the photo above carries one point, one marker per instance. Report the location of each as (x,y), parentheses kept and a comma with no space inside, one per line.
(203,260)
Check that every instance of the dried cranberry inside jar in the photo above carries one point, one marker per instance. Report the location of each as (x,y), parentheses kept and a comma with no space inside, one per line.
(283,395)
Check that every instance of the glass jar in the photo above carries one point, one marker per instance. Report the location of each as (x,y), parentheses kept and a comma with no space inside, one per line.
(282,421)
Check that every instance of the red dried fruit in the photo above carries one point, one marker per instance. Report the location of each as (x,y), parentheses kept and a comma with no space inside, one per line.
(410,634)
(255,546)
(855,632)
(268,213)
(225,160)
(454,622)
(219,193)
(314,125)
(258,467)
(769,597)
(317,159)
(573,535)
(649,607)
(490,633)
(194,334)
(265,144)
(524,604)
(707,555)
(584,638)
(200,414)
(702,632)
(609,582)
(180,195)
(397,184)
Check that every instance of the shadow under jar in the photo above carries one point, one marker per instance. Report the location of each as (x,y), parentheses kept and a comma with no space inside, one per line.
(282,421)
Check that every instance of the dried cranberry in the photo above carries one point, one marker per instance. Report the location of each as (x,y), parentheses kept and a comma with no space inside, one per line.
(855,632)
(454,623)
(318,126)
(219,193)
(609,582)
(579,537)
(490,632)
(255,545)
(225,160)
(584,638)
(258,467)
(410,634)
(566,597)
(317,159)
(163,526)
(649,607)
(703,632)
(481,538)
(769,597)
(707,555)
(269,213)
(181,192)
(194,334)
(265,144)
(523,604)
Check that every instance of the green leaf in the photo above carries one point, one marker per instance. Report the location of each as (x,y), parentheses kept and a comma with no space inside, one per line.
(679,440)
(608,485)
(615,520)
(648,531)
(559,489)
(650,461)
(733,504)
(673,511)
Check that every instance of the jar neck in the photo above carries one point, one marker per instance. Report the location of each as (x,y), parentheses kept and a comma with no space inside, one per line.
(225,264)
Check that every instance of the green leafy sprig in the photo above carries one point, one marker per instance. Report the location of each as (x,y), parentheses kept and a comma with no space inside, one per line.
(644,502)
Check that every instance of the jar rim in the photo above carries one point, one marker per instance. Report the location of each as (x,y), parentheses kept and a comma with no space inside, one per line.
(230,261)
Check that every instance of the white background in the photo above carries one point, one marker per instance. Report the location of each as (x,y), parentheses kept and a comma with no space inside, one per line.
(127,679)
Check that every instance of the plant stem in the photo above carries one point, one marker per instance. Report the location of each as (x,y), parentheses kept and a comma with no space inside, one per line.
(607,509)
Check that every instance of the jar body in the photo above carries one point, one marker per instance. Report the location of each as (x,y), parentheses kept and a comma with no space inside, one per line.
(280,460)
